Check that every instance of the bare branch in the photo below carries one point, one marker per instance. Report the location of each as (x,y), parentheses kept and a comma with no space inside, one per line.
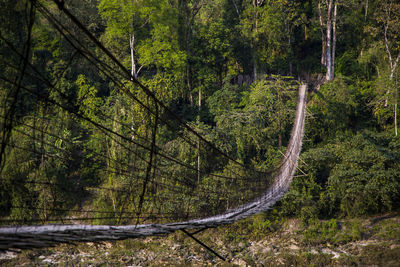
(237,10)
(393,67)
(386,26)
(140,68)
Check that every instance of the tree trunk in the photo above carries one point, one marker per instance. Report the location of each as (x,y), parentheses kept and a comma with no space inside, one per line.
(393,66)
(288,32)
(392,62)
(134,71)
(189,82)
(333,41)
(254,69)
(134,74)
(255,5)
(392,70)
(188,54)
(395,118)
(323,35)
(328,43)
(190,12)
(198,144)
(114,148)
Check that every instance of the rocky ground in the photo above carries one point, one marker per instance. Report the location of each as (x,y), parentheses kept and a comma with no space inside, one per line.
(252,242)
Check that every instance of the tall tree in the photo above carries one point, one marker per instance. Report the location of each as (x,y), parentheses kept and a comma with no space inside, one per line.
(252,19)
(268,26)
(188,10)
(123,21)
(388,16)
(328,33)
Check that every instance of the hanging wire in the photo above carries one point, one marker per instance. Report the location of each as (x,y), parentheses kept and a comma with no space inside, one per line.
(144,178)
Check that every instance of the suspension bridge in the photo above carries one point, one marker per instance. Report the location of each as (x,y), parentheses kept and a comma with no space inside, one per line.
(149,185)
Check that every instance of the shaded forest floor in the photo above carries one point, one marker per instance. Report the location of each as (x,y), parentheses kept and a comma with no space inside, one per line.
(253,242)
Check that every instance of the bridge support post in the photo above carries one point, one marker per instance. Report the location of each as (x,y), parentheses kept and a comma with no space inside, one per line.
(191,235)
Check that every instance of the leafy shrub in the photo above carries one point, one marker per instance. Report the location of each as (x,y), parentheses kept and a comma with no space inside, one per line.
(353,176)
(332,109)
(367,178)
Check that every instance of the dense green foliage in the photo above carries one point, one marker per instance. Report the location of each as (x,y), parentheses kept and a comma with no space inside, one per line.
(226,67)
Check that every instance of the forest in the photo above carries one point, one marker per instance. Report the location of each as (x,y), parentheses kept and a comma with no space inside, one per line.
(76,130)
